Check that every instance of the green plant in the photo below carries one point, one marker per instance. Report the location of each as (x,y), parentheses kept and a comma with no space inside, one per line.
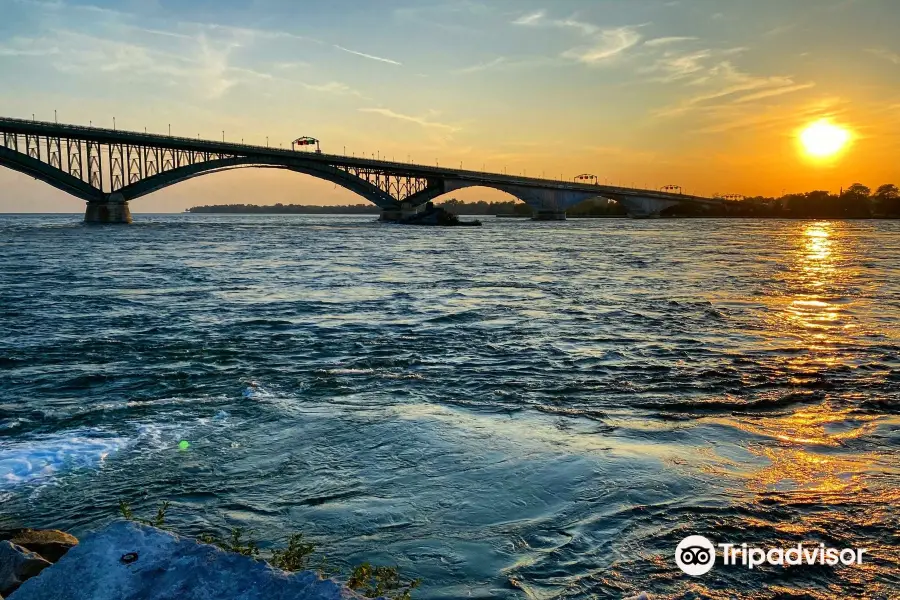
(237,544)
(159,521)
(296,556)
(125,510)
(370,580)
(374,582)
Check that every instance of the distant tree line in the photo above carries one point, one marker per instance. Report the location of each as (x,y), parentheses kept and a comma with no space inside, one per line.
(288,209)
(595,207)
(854,202)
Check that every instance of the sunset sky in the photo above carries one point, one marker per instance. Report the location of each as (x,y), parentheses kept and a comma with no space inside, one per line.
(708,94)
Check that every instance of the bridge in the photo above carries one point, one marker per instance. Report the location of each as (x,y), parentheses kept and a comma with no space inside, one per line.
(108,168)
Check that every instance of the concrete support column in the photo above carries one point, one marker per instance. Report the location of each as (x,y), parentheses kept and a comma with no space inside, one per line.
(549,215)
(644,208)
(112,209)
(396,213)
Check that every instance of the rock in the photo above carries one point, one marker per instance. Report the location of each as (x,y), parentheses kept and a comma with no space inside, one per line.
(641,596)
(17,565)
(49,543)
(129,561)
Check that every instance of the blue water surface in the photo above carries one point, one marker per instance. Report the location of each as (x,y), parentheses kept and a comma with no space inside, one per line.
(521,410)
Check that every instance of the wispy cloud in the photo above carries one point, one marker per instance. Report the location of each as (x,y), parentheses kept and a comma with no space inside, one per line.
(531,18)
(664,41)
(604,44)
(728,117)
(423,121)
(23,52)
(485,66)
(332,87)
(886,55)
(724,81)
(582,26)
(608,44)
(776,91)
(369,56)
(780,29)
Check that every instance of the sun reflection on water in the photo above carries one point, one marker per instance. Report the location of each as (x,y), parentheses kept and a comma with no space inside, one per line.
(807,449)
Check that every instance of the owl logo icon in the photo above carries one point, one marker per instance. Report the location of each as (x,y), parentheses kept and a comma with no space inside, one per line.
(695,555)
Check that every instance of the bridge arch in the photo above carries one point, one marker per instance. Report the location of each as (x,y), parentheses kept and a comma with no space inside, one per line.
(541,200)
(331,174)
(41,171)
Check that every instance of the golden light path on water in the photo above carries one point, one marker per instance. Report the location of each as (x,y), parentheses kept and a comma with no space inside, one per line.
(816,320)
(814,456)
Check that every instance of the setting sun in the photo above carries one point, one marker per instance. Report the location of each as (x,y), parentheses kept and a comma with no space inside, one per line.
(823,139)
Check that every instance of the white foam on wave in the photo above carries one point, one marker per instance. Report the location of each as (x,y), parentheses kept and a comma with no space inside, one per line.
(349,371)
(40,459)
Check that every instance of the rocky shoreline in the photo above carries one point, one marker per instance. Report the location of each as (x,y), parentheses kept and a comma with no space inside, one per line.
(127,560)
(24,553)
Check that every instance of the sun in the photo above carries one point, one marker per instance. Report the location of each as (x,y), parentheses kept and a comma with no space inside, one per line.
(823,139)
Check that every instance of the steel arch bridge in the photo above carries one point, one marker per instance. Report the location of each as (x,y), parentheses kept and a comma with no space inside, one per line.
(108,168)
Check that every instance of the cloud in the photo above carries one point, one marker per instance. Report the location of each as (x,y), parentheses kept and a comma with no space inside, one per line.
(22,52)
(729,117)
(608,44)
(332,87)
(675,66)
(605,43)
(424,122)
(369,56)
(583,27)
(539,18)
(249,33)
(741,88)
(779,29)
(777,91)
(664,41)
(886,55)
(531,18)
(483,66)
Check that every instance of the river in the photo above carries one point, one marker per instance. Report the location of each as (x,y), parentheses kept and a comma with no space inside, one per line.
(522,410)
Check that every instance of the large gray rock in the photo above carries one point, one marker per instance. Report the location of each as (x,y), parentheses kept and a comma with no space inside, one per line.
(51,544)
(128,561)
(16,566)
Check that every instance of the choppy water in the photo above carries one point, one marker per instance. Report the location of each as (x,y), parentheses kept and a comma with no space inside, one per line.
(557,404)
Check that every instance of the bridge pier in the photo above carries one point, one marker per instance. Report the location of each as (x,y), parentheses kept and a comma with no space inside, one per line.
(110,210)
(396,213)
(644,207)
(549,215)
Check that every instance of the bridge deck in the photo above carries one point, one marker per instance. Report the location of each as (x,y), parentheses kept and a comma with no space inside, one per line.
(113,136)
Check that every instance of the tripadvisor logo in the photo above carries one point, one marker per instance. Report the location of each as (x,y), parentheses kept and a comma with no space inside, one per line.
(696,555)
